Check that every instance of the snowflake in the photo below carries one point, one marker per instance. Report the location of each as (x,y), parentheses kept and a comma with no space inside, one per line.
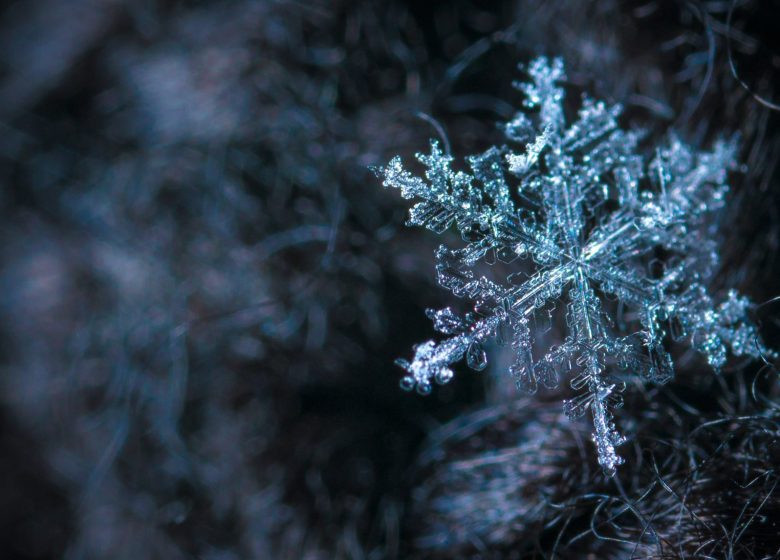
(582,215)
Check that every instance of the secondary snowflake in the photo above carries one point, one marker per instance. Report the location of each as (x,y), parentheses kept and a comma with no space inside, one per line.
(591,217)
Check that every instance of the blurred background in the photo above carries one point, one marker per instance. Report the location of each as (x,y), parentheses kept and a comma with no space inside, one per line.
(203,287)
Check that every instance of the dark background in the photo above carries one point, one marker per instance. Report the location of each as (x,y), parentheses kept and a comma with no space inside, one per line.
(203,287)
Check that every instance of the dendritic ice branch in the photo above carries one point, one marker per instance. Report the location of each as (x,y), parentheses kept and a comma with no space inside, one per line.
(593,221)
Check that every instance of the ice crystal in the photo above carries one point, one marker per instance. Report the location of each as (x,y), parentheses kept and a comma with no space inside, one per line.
(596,222)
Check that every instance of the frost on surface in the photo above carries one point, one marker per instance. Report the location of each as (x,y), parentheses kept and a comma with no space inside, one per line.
(595,221)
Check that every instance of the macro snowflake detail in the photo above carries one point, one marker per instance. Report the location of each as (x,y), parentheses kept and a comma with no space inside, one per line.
(588,220)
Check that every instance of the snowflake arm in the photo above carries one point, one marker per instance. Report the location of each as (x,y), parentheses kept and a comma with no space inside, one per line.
(451,198)
(509,307)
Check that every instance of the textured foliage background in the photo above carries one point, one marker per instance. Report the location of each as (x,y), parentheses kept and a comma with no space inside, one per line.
(204,287)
